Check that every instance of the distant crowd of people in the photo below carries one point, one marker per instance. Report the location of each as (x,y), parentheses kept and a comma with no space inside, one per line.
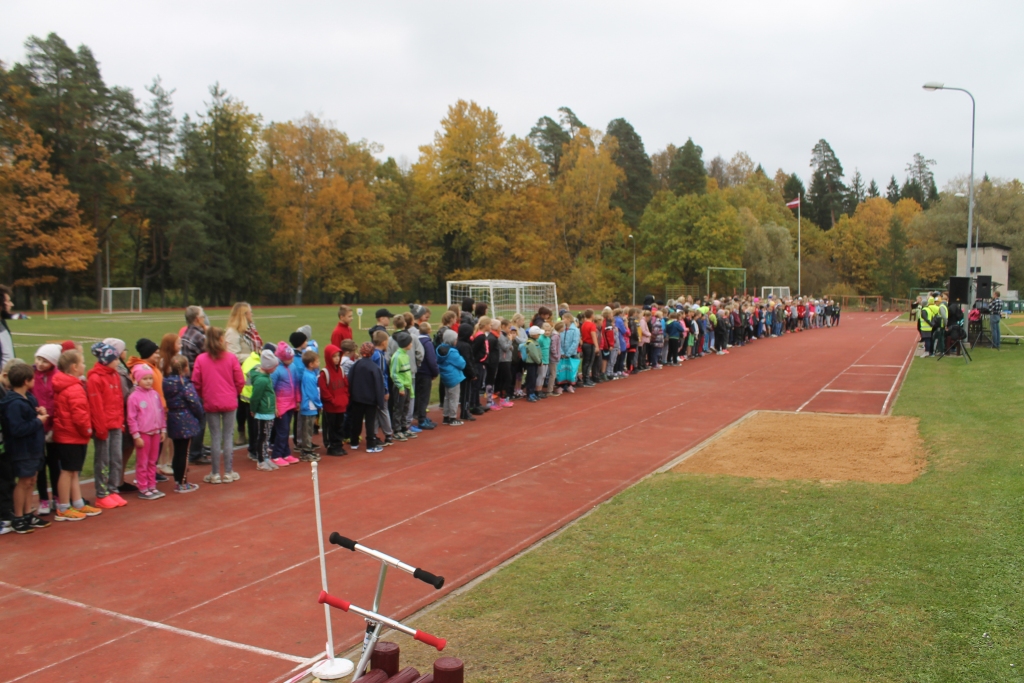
(160,403)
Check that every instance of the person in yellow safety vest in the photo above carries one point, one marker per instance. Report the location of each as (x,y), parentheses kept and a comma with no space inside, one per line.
(924,326)
(933,321)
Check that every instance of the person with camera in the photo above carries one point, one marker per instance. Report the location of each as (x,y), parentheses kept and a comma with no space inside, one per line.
(995,311)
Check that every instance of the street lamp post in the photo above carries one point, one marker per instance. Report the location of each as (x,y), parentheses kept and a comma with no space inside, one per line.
(932,87)
(634,268)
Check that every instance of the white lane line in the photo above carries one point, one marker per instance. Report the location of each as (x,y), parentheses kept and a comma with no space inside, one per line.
(876,366)
(158,625)
(897,382)
(829,383)
(850,391)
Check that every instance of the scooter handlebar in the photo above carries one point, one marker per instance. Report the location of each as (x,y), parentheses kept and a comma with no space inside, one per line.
(347,543)
(433,641)
(426,577)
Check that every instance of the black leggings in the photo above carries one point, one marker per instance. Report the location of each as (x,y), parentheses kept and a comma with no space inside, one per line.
(242,417)
(179,463)
(52,463)
(531,378)
(504,385)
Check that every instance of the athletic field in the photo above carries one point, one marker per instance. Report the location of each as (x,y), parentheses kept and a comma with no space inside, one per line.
(683,576)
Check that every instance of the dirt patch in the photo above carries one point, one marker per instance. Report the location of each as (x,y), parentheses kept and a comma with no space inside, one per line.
(881,450)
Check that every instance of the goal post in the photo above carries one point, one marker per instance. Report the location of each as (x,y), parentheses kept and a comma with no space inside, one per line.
(505,298)
(775,292)
(121,300)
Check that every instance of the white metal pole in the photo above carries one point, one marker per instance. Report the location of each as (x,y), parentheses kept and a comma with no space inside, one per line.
(799,248)
(323,561)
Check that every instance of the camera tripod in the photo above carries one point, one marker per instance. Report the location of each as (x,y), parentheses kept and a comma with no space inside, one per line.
(958,344)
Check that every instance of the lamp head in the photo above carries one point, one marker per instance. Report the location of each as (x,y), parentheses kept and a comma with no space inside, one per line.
(933,85)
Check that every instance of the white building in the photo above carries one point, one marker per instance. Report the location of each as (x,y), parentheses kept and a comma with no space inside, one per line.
(989,259)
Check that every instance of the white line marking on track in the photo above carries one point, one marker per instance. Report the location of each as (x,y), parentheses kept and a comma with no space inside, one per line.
(876,366)
(896,382)
(818,393)
(158,625)
(850,391)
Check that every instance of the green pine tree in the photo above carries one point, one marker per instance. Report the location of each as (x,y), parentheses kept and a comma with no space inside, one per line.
(687,174)
(872,189)
(892,192)
(633,194)
(828,194)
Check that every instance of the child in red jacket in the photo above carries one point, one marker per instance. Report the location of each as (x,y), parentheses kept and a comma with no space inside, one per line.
(103,385)
(334,396)
(72,429)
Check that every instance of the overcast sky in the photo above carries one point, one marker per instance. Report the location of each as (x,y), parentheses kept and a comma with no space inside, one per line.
(769,78)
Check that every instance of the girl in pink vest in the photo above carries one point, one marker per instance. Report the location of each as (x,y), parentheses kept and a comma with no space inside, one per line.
(148,426)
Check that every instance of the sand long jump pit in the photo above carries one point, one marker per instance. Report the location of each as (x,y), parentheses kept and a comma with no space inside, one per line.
(813,446)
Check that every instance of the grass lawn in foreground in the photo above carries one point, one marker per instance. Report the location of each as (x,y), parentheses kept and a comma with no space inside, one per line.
(705,578)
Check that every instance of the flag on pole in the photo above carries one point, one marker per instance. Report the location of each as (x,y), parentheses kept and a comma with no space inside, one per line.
(793,204)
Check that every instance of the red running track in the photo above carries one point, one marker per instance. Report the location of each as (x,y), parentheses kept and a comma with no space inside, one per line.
(221,584)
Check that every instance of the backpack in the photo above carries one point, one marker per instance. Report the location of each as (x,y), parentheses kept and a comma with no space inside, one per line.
(522,352)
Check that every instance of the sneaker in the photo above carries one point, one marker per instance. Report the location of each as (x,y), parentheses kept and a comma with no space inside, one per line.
(531,399)
(281,462)
(44,507)
(414,429)
(21,525)
(165,469)
(469,418)
(252,456)
(158,494)
(454,423)
(388,441)
(400,436)
(477,410)
(149,495)
(273,465)
(428,424)
(570,389)
(235,476)
(160,477)
(90,511)
(225,478)
(106,502)
(204,459)
(375,449)
(121,502)
(291,459)
(505,403)
(185,488)
(127,487)
(336,451)
(353,446)
(36,523)
(69,515)
(6,527)
(212,478)
(494,406)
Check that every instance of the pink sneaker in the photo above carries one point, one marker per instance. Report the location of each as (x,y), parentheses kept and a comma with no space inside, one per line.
(281,462)
(106,503)
(291,460)
(505,403)
(494,406)
(121,502)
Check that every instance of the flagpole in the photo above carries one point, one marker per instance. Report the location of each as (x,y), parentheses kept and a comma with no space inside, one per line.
(799,248)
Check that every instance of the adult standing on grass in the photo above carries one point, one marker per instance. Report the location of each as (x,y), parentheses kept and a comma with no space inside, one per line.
(995,309)
(6,341)
(193,342)
(243,340)
(217,377)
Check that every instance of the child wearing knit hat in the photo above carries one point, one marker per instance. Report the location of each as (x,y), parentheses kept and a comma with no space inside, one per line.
(106,406)
(148,427)
(47,357)
(263,405)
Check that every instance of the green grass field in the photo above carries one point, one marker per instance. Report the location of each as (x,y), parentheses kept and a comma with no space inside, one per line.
(274,324)
(713,578)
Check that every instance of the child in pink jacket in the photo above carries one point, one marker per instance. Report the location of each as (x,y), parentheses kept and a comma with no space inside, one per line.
(148,426)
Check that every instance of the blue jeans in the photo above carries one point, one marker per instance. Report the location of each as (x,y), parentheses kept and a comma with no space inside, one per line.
(282,430)
(993,322)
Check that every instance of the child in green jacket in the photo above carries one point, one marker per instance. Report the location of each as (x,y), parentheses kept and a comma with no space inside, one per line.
(401,381)
(263,405)
(533,359)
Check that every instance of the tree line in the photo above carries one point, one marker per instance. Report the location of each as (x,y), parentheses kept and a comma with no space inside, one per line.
(219,206)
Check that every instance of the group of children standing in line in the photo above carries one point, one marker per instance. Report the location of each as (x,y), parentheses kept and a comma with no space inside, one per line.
(159,403)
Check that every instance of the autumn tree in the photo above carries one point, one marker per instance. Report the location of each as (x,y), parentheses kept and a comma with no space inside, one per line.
(40,226)
(550,137)
(317,186)
(661,162)
(681,235)
(589,228)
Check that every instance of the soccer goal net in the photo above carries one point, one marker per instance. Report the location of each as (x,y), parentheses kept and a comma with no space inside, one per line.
(121,300)
(679,292)
(775,292)
(505,297)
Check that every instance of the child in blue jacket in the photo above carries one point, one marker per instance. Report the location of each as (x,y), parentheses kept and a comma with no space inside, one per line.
(451,364)
(309,405)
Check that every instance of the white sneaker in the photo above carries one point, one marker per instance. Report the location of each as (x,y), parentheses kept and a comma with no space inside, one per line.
(235,476)
(212,478)
(44,507)
(264,466)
